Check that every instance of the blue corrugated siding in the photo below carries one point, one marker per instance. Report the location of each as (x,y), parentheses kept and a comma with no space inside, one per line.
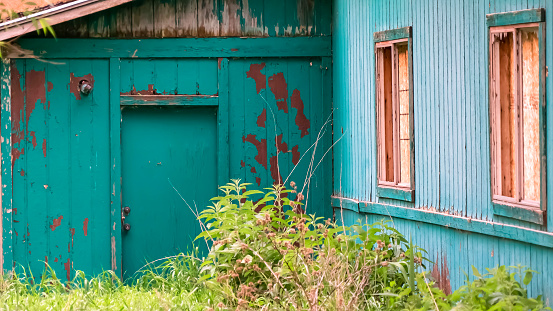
(452,158)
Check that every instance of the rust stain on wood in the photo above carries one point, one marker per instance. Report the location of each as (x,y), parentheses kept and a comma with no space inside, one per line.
(301,120)
(279,88)
(441,276)
(56,223)
(257,76)
(261,146)
(75,81)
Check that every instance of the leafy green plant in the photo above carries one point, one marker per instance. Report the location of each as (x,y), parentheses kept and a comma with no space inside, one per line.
(498,289)
(267,253)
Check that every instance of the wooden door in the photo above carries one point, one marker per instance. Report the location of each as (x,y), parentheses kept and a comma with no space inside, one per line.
(169,172)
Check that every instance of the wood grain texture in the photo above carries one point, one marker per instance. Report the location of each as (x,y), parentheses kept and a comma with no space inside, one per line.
(205,18)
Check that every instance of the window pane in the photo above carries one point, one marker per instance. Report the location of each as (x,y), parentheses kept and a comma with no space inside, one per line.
(403,90)
(386,109)
(530,113)
(505,118)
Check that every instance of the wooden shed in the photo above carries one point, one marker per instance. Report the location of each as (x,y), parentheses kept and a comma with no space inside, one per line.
(118,132)
(444,114)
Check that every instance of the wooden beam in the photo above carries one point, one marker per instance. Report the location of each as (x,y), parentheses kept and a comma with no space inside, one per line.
(395,193)
(516,17)
(512,232)
(393,34)
(55,15)
(172,48)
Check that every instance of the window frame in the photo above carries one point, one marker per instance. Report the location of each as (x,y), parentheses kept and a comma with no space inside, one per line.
(516,207)
(386,189)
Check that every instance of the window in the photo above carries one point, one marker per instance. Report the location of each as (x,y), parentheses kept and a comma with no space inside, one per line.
(394,114)
(516,99)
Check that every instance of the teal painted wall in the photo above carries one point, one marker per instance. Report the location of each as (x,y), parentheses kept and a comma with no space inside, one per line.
(452,158)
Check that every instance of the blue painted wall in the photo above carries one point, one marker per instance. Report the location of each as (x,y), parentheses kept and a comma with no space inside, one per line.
(452,158)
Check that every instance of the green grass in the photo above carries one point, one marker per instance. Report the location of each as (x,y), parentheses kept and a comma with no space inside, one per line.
(171,285)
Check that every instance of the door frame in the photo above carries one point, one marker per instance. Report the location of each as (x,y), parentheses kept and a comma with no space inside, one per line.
(116,49)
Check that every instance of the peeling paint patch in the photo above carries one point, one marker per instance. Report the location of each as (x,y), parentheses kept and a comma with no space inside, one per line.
(262,118)
(113,260)
(258,181)
(74,84)
(242,163)
(253,170)
(16,153)
(150,91)
(301,120)
(22,173)
(279,88)
(50,86)
(72,230)
(44,147)
(257,76)
(261,146)
(33,140)
(281,147)
(295,155)
(85,227)
(36,91)
(56,259)
(56,223)
(67,267)
(441,276)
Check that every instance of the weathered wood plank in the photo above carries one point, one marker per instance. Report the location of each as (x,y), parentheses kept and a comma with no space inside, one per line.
(208,23)
(6,147)
(169,100)
(187,18)
(169,48)
(165,19)
(516,17)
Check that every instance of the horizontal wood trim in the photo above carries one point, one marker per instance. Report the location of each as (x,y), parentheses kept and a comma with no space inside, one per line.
(58,14)
(169,100)
(349,204)
(520,213)
(395,193)
(516,17)
(516,233)
(393,34)
(174,48)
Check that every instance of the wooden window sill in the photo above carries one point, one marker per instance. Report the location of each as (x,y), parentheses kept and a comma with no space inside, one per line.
(524,213)
(395,193)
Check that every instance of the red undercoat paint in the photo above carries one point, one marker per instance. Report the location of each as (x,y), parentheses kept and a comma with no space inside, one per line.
(262,118)
(150,91)
(50,86)
(301,120)
(242,163)
(56,223)
(75,81)
(44,147)
(22,173)
(279,88)
(72,230)
(85,226)
(67,267)
(295,155)
(261,146)
(258,181)
(281,148)
(36,91)
(257,76)
(33,139)
(253,170)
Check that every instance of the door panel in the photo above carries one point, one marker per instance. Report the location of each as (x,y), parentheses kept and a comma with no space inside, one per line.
(164,147)
(61,170)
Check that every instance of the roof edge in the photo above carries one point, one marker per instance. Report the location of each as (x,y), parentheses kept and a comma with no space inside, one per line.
(55,15)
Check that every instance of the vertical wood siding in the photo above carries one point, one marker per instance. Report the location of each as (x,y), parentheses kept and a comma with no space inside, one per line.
(450,70)
(204,18)
(452,153)
(454,252)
